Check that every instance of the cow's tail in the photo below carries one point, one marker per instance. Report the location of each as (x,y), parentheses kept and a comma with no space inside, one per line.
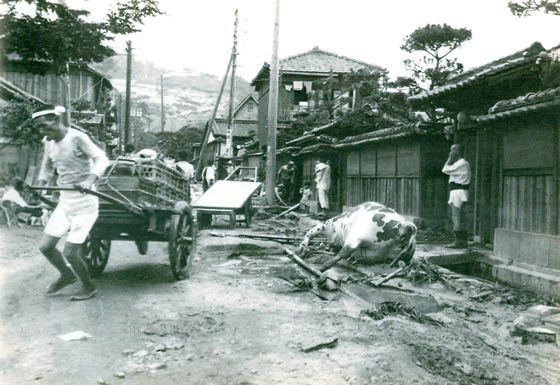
(407,235)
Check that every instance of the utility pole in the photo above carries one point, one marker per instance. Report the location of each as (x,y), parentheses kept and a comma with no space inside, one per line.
(229,132)
(120,123)
(127,95)
(162,108)
(211,122)
(273,113)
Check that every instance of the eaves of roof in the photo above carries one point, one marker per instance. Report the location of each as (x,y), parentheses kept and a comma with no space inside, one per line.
(532,102)
(490,70)
(316,148)
(391,133)
(18,92)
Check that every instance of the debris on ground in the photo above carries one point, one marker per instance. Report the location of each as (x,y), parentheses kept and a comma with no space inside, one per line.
(396,308)
(74,336)
(327,345)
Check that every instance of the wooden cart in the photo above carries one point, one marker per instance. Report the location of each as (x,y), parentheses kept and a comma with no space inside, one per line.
(231,197)
(142,203)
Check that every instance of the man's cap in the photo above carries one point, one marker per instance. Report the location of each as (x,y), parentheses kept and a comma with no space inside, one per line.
(48,110)
(291,162)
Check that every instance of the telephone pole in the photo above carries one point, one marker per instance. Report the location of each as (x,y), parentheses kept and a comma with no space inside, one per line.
(127,95)
(273,113)
(162,108)
(229,132)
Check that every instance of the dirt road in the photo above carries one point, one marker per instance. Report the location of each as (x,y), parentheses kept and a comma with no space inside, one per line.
(236,321)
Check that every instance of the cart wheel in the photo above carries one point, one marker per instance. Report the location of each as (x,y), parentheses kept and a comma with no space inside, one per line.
(142,247)
(248,214)
(96,254)
(182,244)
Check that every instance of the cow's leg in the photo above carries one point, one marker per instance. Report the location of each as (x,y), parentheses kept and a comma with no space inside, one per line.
(350,247)
(303,247)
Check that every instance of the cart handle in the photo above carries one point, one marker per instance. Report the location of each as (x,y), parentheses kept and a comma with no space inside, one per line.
(129,206)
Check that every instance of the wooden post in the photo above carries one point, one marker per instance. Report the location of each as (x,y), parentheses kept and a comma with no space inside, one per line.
(69,96)
(273,113)
(162,107)
(211,122)
(127,95)
(229,132)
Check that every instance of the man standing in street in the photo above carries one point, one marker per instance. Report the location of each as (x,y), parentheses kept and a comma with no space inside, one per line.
(208,175)
(323,181)
(79,163)
(459,172)
(286,176)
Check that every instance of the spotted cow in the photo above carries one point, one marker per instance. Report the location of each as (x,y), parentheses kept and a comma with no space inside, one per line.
(369,226)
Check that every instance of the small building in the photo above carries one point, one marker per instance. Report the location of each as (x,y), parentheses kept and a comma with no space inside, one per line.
(15,158)
(300,76)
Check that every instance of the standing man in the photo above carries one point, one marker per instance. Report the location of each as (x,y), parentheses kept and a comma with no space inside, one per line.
(79,163)
(323,181)
(208,175)
(285,177)
(459,172)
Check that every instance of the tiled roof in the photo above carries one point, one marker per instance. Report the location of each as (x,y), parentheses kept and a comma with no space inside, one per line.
(399,131)
(492,69)
(316,148)
(317,62)
(523,104)
(241,128)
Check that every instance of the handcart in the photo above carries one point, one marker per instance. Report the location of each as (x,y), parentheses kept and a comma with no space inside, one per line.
(141,202)
(231,197)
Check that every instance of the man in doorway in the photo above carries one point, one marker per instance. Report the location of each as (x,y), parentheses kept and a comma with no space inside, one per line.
(323,181)
(459,172)
(79,163)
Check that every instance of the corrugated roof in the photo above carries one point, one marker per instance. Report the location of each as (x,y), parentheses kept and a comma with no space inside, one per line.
(489,70)
(241,128)
(317,62)
(531,102)
(399,131)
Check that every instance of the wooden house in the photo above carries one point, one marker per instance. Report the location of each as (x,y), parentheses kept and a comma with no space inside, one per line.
(299,77)
(512,132)
(14,158)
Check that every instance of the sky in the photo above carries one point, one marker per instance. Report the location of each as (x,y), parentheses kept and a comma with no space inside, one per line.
(199,34)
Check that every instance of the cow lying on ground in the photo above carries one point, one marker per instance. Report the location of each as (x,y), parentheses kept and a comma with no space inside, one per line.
(370,226)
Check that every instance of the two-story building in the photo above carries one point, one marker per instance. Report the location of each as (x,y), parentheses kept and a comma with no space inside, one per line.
(300,76)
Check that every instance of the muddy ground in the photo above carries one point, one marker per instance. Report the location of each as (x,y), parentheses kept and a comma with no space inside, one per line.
(238,320)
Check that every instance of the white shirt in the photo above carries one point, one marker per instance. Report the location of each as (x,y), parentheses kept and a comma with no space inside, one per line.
(75,157)
(12,195)
(459,172)
(323,177)
(209,173)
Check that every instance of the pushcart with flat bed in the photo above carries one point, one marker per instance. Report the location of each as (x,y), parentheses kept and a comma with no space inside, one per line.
(230,197)
(141,202)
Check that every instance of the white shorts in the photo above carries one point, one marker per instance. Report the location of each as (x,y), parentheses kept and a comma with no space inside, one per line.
(75,212)
(458,197)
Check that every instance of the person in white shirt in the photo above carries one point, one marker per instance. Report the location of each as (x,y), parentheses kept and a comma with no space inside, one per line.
(208,175)
(459,172)
(323,181)
(79,163)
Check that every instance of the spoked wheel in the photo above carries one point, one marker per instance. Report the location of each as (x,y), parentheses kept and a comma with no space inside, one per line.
(182,244)
(142,247)
(96,254)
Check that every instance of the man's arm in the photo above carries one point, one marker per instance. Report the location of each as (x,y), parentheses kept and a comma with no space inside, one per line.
(97,155)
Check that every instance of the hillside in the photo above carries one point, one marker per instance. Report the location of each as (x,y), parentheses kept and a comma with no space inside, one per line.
(189,95)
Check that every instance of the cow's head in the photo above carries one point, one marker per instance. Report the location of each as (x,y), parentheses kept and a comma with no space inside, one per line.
(407,238)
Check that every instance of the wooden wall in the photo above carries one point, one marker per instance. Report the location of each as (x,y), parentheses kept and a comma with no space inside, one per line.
(52,89)
(396,175)
(529,174)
